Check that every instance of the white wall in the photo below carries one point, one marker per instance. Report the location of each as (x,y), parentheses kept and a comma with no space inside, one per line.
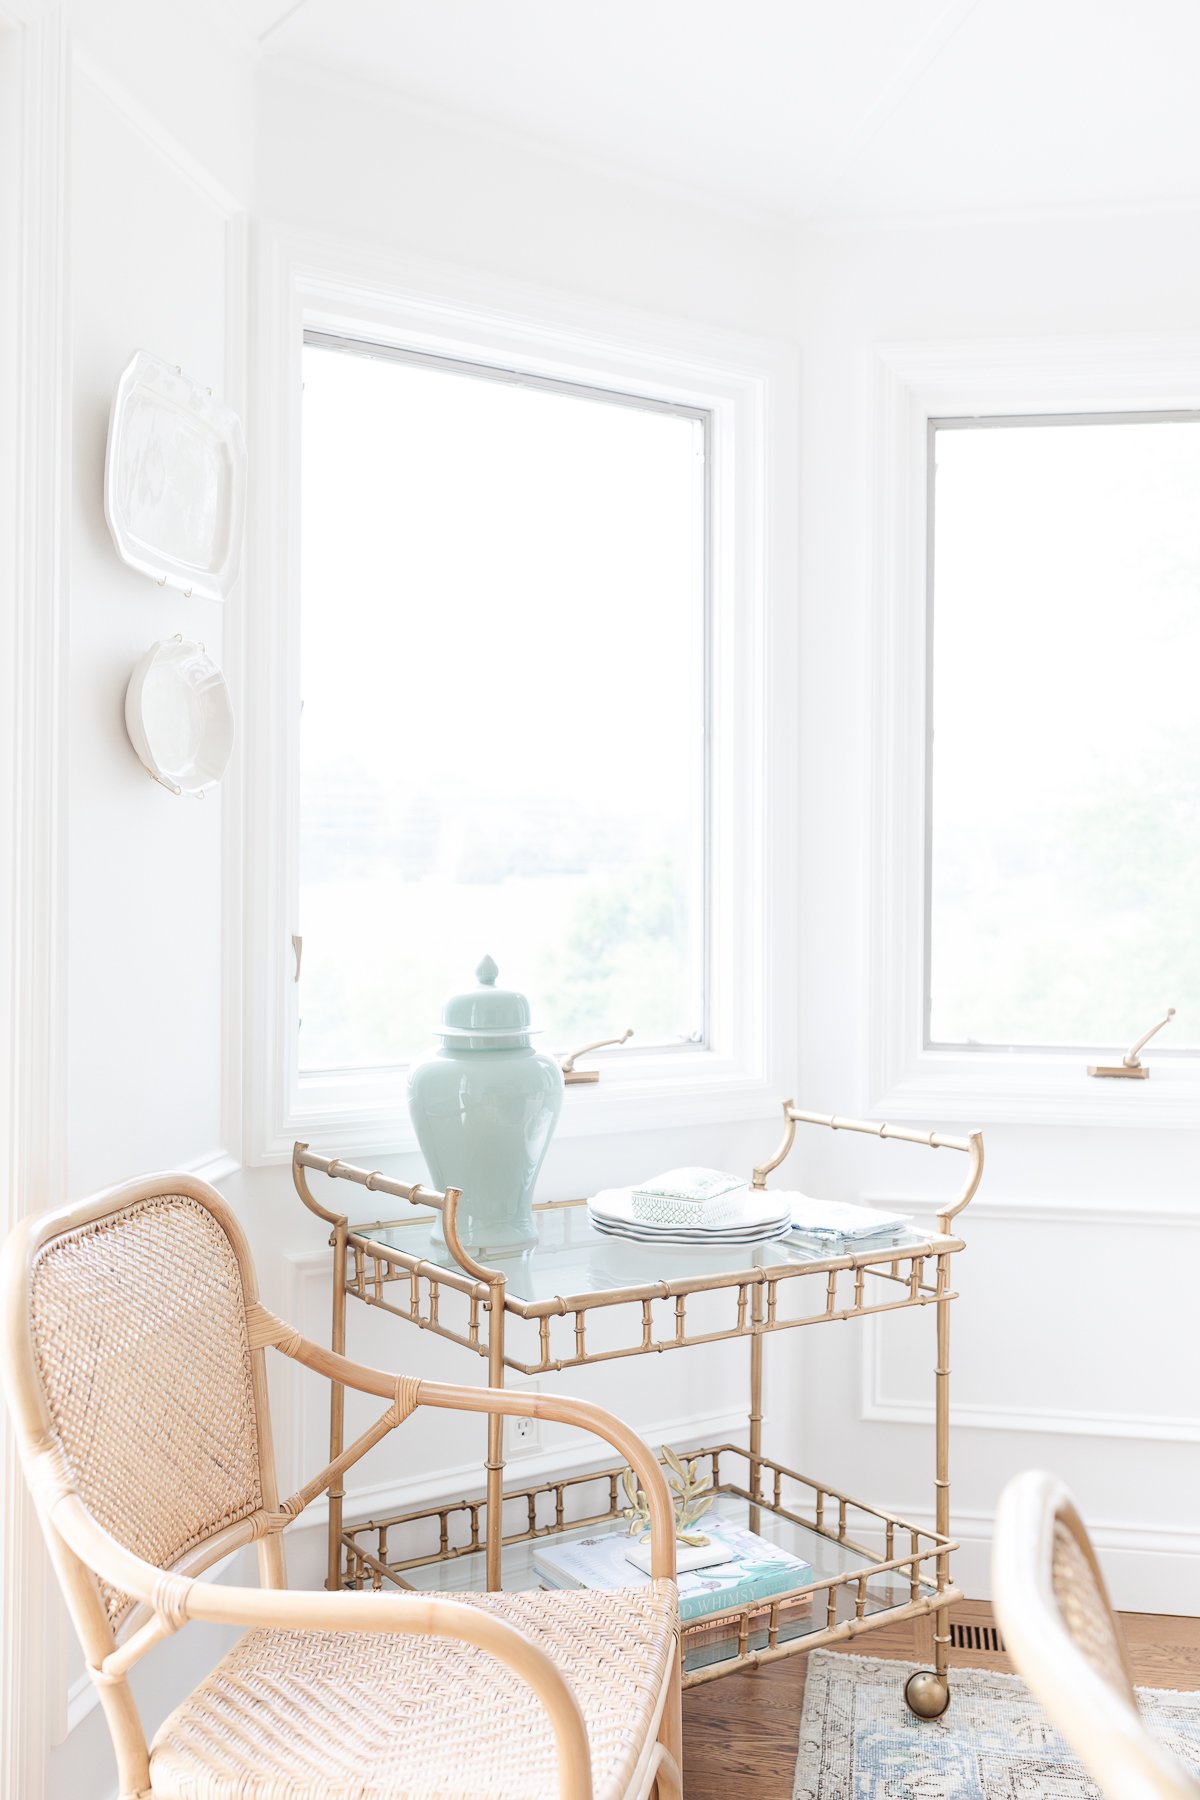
(138,192)
(340,156)
(380,173)
(187,66)
(150,256)
(1073,1346)
(156,264)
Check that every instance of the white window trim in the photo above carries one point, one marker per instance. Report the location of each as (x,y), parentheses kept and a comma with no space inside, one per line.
(911,384)
(749,386)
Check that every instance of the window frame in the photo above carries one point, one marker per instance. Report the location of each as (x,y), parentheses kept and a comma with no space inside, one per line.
(747,386)
(914,386)
(1004,422)
(700,935)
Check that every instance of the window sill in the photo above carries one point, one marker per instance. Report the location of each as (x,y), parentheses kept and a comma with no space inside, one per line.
(1013,1087)
(348,1119)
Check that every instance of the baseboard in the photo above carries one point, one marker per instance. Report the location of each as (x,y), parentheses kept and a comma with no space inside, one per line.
(1147,1569)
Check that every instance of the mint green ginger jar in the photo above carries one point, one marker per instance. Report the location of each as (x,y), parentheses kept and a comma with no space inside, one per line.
(484,1105)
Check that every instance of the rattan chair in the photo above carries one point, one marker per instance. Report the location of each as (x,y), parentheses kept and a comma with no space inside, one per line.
(135,1371)
(1066,1641)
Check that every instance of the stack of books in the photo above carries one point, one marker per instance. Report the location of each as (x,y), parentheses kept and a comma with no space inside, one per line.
(744,1570)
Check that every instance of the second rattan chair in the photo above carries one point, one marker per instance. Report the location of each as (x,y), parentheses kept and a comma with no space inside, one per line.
(135,1370)
(1066,1641)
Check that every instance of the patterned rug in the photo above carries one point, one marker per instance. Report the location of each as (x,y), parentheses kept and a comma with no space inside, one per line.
(858,1740)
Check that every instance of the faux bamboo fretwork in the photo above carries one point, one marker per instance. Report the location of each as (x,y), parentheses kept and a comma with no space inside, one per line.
(578,1299)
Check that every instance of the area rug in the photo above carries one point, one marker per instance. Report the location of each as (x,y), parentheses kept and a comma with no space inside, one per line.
(858,1740)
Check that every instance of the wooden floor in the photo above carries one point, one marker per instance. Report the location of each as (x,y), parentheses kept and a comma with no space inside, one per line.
(740,1733)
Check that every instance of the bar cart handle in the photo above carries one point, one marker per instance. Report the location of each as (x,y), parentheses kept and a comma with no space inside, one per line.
(971,1145)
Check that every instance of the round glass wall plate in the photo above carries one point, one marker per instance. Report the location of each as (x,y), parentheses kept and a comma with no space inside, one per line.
(179,716)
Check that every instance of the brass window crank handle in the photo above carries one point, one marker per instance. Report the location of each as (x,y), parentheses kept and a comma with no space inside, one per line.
(1131,1067)
(572,1075)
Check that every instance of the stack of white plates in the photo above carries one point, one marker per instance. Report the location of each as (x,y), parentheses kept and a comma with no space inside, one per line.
(759,1215)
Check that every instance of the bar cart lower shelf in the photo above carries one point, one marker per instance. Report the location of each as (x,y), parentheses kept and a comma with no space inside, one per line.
(869,1566)
(852,1584)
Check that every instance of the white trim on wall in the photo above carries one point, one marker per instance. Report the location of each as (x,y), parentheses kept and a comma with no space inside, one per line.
(876,1407)
(36,101)
(1148,1568)
(433,1486)
(311,1269)
(750,388)
(233,660)
(910,384)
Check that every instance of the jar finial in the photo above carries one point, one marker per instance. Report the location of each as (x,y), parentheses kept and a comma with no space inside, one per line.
(487,972)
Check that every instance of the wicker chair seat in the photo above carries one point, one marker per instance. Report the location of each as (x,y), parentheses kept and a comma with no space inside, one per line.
(301,1715)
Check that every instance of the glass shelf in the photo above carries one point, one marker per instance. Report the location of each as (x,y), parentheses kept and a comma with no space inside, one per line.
(706,1641)
(868,1565)
(573,1261)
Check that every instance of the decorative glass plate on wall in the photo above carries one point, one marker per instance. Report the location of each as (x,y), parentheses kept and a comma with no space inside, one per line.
(179,716)
(175,479)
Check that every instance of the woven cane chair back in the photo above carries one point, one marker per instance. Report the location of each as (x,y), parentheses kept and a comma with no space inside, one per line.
(1065,1639)
(142,1378)
(1084,1609)
(139,1329)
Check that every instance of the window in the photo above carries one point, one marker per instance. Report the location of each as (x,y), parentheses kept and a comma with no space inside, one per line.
(503,746)
(1063,880)
(519,680)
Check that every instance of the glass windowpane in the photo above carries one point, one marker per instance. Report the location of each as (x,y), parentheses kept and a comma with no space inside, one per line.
(503,742)
(1064,878)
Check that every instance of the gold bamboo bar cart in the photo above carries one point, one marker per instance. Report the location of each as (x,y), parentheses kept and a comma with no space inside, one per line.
(531,1315)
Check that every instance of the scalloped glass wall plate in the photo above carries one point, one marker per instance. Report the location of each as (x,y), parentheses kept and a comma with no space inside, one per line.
(179,716)
(175,479)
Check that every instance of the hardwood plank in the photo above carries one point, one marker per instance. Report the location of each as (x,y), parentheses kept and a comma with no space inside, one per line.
(1164,1650)
(740,1734)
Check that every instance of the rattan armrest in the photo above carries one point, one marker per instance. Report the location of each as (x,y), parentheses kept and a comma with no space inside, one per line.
(560,1408)
(586,1416)
(177,1598)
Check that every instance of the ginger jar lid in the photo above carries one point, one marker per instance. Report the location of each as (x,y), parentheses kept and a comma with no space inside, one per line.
(486,1017)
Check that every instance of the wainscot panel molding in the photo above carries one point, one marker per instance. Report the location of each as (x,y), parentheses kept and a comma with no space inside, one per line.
(877,1406)
(750,385)
(909,385)
(35,88)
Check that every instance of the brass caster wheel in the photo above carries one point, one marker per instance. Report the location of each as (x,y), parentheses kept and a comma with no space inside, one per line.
(927,1694)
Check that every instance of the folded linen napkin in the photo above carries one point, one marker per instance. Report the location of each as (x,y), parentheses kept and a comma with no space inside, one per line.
(830,1220)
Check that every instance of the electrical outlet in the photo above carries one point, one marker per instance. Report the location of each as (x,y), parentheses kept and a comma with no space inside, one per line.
(523,1435)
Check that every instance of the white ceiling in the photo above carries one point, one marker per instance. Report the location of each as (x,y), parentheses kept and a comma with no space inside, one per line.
(804,108)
